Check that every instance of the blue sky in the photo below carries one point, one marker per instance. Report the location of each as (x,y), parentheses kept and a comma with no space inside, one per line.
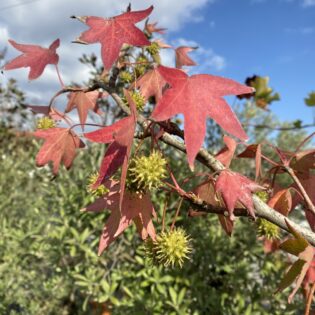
(267,38)
(237,38)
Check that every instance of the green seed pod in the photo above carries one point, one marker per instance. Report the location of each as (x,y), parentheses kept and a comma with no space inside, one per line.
(141,66)
(45,123)
(171,248)
(153,49)
(139,100)
(147,172)
(262,195)
(126,77)
(149,251)
(101,190)
(267,229)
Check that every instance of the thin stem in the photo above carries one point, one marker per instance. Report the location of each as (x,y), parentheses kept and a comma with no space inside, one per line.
(177,213)
(279,128)
(269,160)
(306,197)
(136,63)
(164,213)
(304,141)
(87,124)
(59,77)
(309,300)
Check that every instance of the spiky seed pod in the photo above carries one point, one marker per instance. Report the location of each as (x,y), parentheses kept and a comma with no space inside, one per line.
(101,190)
(126,77)
(171,248)
(267,229)
(45,123)
(142,63)
(139,100)
(262,195)
(149,251)
(147,172)
(153,49)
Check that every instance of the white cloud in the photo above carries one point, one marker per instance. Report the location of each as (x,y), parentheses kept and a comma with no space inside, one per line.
(41,22)
(308,3)
(4,36)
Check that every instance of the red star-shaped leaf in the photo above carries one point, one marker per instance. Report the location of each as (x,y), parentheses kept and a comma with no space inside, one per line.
(151,84)
(120,136)
(60,146)
(113,32)
(206,192)
(197,97)
(253,151)
(135,208)
(35,57)
(47,111)
(151,28)
(181,57)
(83,101)
(225,155)
(235,187)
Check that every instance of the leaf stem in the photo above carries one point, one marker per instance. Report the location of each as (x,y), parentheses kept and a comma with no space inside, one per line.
(177,213)
(59,77)
(309,300)
(306,197)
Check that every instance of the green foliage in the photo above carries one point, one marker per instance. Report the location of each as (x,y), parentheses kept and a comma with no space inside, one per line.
(13,112)
(49,265)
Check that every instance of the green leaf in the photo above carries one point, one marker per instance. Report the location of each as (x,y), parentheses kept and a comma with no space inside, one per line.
(310,100)
(294,246)
(291,275)
(173,295)
(181,296)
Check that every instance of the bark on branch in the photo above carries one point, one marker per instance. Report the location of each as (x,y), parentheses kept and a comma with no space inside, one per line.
(262,210)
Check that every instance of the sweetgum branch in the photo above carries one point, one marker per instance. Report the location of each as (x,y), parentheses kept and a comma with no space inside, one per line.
(262,210)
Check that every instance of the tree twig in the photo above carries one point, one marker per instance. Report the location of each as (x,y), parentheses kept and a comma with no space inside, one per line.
(309,300)
(262,210)
(305,195)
